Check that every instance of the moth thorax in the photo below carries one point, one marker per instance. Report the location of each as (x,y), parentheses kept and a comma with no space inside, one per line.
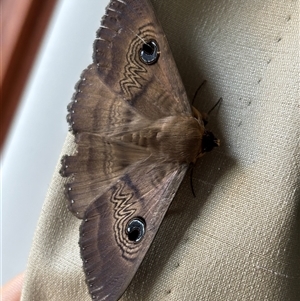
(181,138)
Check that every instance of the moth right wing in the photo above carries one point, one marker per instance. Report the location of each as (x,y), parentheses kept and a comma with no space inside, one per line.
(98,163)
(110,254)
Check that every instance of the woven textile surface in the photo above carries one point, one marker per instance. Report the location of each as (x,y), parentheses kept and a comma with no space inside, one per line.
(238,239)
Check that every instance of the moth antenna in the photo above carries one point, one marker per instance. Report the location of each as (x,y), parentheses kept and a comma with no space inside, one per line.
(198,89)
(215,105)
(191,179)
(205,115)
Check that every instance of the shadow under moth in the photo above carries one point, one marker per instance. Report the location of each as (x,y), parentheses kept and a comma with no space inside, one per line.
(136,135)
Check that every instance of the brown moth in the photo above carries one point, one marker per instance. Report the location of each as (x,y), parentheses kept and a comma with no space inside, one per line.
(136,135)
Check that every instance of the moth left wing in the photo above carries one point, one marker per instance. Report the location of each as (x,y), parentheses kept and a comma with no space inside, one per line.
(120,225)
(96,108)
(123,50)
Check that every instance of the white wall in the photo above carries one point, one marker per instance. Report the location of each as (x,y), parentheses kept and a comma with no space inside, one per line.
(36,137)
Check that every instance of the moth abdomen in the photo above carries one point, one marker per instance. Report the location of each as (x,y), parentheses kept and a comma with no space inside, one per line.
(143,138)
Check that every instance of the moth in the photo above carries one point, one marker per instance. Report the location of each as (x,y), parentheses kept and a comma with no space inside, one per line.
(136,135)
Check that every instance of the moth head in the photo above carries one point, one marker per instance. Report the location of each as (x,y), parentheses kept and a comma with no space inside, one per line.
(209,142)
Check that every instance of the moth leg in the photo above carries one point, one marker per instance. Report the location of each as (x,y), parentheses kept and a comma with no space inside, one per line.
(191,178)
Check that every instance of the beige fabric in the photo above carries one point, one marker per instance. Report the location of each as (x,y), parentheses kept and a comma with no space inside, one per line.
(239,238)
